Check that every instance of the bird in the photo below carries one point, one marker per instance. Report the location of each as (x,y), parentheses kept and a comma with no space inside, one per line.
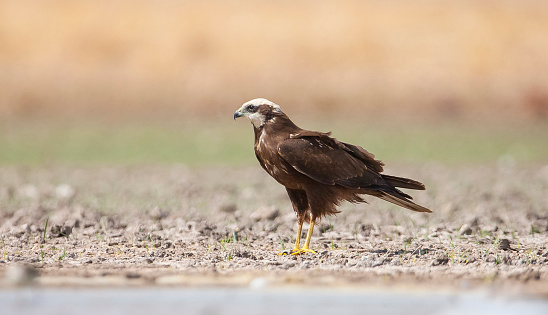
(318,171)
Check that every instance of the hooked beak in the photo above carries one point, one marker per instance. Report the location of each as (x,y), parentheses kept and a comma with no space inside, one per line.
(237,114)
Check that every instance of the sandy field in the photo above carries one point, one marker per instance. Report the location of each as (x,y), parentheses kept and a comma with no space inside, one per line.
(173,225)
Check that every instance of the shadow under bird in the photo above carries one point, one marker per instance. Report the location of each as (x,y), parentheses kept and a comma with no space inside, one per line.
(318,171)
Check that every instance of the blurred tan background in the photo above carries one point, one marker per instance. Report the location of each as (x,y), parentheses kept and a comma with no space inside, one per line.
(119,59)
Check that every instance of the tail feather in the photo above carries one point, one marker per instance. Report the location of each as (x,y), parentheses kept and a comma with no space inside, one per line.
(402,202)
(403,182)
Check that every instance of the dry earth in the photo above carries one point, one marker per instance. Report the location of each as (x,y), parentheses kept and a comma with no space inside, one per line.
(143,225)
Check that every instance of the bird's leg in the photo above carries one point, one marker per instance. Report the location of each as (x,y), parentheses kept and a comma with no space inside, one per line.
(297,240)
(308,237)
(305,248)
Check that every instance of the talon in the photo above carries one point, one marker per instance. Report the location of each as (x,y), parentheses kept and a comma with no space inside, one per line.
(302,251)
(308,250)
(287,252)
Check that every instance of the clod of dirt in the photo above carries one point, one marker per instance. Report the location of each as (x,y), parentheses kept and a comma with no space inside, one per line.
(465,230)
(504,244)
(441,259)
(324,227)
(157,213)
(368,229)
(264,213)
(73,223)
(490,228)
(529,274)
(506,259)
(133,275)
(228,208)
(60,231)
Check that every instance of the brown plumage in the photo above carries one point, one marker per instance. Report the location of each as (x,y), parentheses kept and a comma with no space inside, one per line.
(318,171)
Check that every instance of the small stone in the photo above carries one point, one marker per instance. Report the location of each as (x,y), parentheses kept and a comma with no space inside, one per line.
(60,230)
(324,227)
(441,259)
(74,223)
(157,213)
(506,259)
(133,275)
(377,262)
(475,222)
(394,229)
(465,230)
(264,213)
(305,265)
(530,275)
(228,208)
(490,228)
(504,244)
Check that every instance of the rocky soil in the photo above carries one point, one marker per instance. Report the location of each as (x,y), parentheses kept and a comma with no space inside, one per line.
(139,225)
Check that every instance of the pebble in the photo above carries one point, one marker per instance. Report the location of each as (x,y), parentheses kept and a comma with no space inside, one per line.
(504,244)
(465,230)
(506,259)
(376,262)
(305,265)
(157,213)
(228,208)
(60,231)
(265,213)
(441,259)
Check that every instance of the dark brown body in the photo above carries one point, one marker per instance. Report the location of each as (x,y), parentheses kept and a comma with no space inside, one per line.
(319,172)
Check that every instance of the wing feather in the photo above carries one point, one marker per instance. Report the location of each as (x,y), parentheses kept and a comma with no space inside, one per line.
(327,162)
(363,155)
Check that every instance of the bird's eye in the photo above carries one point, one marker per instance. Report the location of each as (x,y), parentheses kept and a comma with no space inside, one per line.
(251,107)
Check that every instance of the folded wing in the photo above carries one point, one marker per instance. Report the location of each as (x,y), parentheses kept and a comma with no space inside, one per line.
(328,161)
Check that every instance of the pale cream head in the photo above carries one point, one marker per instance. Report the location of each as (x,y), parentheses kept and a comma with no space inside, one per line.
(251,110)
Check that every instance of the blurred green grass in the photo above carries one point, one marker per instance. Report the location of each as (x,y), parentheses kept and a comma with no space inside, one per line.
(231,143)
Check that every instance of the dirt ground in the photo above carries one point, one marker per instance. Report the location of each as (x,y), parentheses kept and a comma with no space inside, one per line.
(172,225)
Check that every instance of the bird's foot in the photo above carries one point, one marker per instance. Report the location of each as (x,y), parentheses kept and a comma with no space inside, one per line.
(289,252)
(302,251)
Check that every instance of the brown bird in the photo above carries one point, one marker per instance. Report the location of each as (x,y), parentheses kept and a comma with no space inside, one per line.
(318,171)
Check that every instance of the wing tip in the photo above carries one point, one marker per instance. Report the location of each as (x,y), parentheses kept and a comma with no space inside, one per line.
(404,203)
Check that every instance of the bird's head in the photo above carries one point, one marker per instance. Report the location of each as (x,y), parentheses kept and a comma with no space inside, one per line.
(259,111)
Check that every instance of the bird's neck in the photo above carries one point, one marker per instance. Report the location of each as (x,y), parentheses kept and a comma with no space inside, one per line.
(280,124)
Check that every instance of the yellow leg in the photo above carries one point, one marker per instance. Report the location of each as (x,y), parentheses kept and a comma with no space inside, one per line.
(297,241)
(305,248)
